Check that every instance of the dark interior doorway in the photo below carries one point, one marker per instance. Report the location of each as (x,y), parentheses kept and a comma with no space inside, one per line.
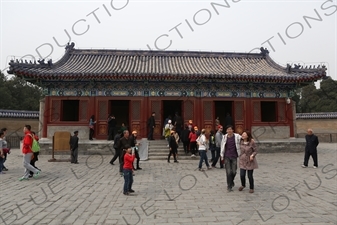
(170,107)
(120,109)
(221,110)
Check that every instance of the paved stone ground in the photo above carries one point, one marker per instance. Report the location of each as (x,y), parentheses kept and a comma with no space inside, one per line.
(91,193)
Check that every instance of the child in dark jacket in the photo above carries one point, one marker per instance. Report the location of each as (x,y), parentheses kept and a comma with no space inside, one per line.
(129,157)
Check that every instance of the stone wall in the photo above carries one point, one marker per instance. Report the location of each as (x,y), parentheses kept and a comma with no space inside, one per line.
(325,129)
(15,125)
(85,147)
(15,129)
(83,131)
(277,146)
(270,132)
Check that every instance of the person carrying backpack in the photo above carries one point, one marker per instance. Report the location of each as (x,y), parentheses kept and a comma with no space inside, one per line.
(27,152)
(36,150)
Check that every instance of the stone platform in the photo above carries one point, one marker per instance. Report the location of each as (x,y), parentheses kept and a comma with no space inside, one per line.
(157,150)
(86,147)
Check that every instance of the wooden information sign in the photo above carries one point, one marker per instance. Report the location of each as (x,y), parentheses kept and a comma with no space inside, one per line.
(61,144)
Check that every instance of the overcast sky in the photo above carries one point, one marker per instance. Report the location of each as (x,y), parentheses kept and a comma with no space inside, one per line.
(302,32)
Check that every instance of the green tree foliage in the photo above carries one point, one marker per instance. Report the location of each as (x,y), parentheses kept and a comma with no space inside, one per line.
(323,99)
(17,94)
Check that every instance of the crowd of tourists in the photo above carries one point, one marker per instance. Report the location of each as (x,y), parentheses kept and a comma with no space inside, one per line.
(30,151)
(225,146)
(126,150)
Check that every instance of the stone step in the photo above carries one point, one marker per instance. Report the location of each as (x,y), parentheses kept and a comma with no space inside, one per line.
(180,157)
(158,150)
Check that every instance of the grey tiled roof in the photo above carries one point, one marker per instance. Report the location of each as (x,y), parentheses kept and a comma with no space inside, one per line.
(19,114)
(168,65)
(320,115)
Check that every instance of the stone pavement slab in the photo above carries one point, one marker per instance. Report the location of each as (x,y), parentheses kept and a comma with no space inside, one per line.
(175,193)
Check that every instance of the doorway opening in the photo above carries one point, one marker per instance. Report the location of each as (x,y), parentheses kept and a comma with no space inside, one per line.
(120,109)
(170,107)
(222,108)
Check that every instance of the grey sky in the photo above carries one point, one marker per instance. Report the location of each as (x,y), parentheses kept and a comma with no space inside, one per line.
(240,27)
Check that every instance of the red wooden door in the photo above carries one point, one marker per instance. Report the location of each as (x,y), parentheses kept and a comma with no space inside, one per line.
(207,115)
(239,116)
(135,118)
(188,110)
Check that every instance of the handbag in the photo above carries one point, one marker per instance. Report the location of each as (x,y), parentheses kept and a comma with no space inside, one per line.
(91,126)
(6,151)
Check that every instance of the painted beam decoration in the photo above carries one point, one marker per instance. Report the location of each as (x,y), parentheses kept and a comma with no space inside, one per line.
(171,90)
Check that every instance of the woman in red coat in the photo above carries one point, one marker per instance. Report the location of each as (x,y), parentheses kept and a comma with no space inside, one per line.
(193,142)
(127,170)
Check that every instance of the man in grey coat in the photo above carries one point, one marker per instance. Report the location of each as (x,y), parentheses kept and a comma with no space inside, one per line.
(218,139)
(74,147)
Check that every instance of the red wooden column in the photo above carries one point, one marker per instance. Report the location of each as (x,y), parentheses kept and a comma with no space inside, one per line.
(291,119)
(46,116)
(145,111)
(156,106)
(207,115)
(249,114)
(198,119)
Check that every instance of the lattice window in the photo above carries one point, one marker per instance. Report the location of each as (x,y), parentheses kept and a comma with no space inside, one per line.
(281,111)
(239,111)
(55,115)
(188,110)
(135,105)
(84,110)
(268,111)
(70,110)
(102,110)
(257,111)
(156,108)
(208,111)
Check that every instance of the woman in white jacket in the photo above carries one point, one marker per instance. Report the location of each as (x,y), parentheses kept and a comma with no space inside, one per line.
(202,142)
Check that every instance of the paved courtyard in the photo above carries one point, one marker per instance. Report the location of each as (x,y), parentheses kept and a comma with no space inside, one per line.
(91,193)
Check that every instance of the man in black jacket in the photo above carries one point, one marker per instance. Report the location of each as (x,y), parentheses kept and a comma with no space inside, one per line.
(178,123)
(310,148)
(74,147)
(173,147)
(111,126)
(151,123)
(135,145)
(123,143)
(185,139)
(116,147)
